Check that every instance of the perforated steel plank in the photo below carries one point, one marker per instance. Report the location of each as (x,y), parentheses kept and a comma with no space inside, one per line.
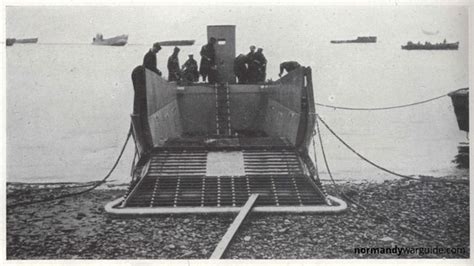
(178,179)
(204,191)
(279,162)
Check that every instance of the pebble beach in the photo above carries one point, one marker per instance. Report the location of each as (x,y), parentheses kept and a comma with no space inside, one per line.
(399,213)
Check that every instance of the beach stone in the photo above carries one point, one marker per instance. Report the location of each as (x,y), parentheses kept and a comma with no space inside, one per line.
(68,229)
(80,215)
(386,239)
(428,211)
(187,253)
(247,238)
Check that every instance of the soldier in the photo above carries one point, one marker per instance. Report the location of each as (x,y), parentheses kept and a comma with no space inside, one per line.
(288,66)
(149,61)
(252,67)
(240,69)
(173,66)
(208,61)
(261,62)
(190,70)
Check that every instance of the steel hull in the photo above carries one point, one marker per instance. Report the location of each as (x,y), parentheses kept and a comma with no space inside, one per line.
(206,148)
(460,100)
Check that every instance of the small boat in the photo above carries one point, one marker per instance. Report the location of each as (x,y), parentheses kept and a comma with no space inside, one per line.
(429,46)
(460,99)
(363,39)
(29,40)
(11,41)
(205,148)
(120,40)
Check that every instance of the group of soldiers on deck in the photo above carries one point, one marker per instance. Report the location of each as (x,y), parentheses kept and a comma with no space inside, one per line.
(249,69)
(188,72)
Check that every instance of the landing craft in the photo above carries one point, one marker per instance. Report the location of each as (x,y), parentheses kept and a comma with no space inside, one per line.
(120,40)
(205,148)
(11,41)
(363,39)
(430,46)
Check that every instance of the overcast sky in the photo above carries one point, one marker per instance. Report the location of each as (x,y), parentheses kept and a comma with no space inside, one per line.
(263,24)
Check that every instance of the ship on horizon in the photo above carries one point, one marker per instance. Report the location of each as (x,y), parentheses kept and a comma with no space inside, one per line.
(120,40)
(11,41)
(430,46)
(360,39)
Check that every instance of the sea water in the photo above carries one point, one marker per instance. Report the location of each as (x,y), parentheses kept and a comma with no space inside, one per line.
(68,110)
(69,105)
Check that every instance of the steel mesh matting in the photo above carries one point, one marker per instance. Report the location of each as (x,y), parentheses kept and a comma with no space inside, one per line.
(178,179)
(182,163)
(280,162)
(205,191)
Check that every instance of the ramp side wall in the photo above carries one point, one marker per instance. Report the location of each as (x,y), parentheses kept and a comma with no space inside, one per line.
(139,117)
(284,110)
(162,106)
(308,117)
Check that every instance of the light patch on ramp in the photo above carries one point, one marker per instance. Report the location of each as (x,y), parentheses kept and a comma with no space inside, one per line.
(225,164)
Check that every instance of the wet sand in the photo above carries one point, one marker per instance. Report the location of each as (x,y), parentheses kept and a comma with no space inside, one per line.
(426,215)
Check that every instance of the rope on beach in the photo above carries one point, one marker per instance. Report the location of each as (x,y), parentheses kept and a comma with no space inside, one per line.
(95,184)
(360,155)
(338,191)
(381,108)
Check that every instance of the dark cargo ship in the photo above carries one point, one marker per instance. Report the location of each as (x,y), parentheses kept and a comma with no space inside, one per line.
(368,39)
(460,99)
(205,148)
(429,46)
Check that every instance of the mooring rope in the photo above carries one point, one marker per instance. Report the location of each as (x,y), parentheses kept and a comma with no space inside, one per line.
(381,108)
(95,184)
(340,192)
(360,155)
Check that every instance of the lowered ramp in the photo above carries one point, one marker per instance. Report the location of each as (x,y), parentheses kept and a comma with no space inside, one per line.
(193,181)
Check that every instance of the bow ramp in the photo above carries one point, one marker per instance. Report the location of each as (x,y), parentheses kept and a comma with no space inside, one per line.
(206,148)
